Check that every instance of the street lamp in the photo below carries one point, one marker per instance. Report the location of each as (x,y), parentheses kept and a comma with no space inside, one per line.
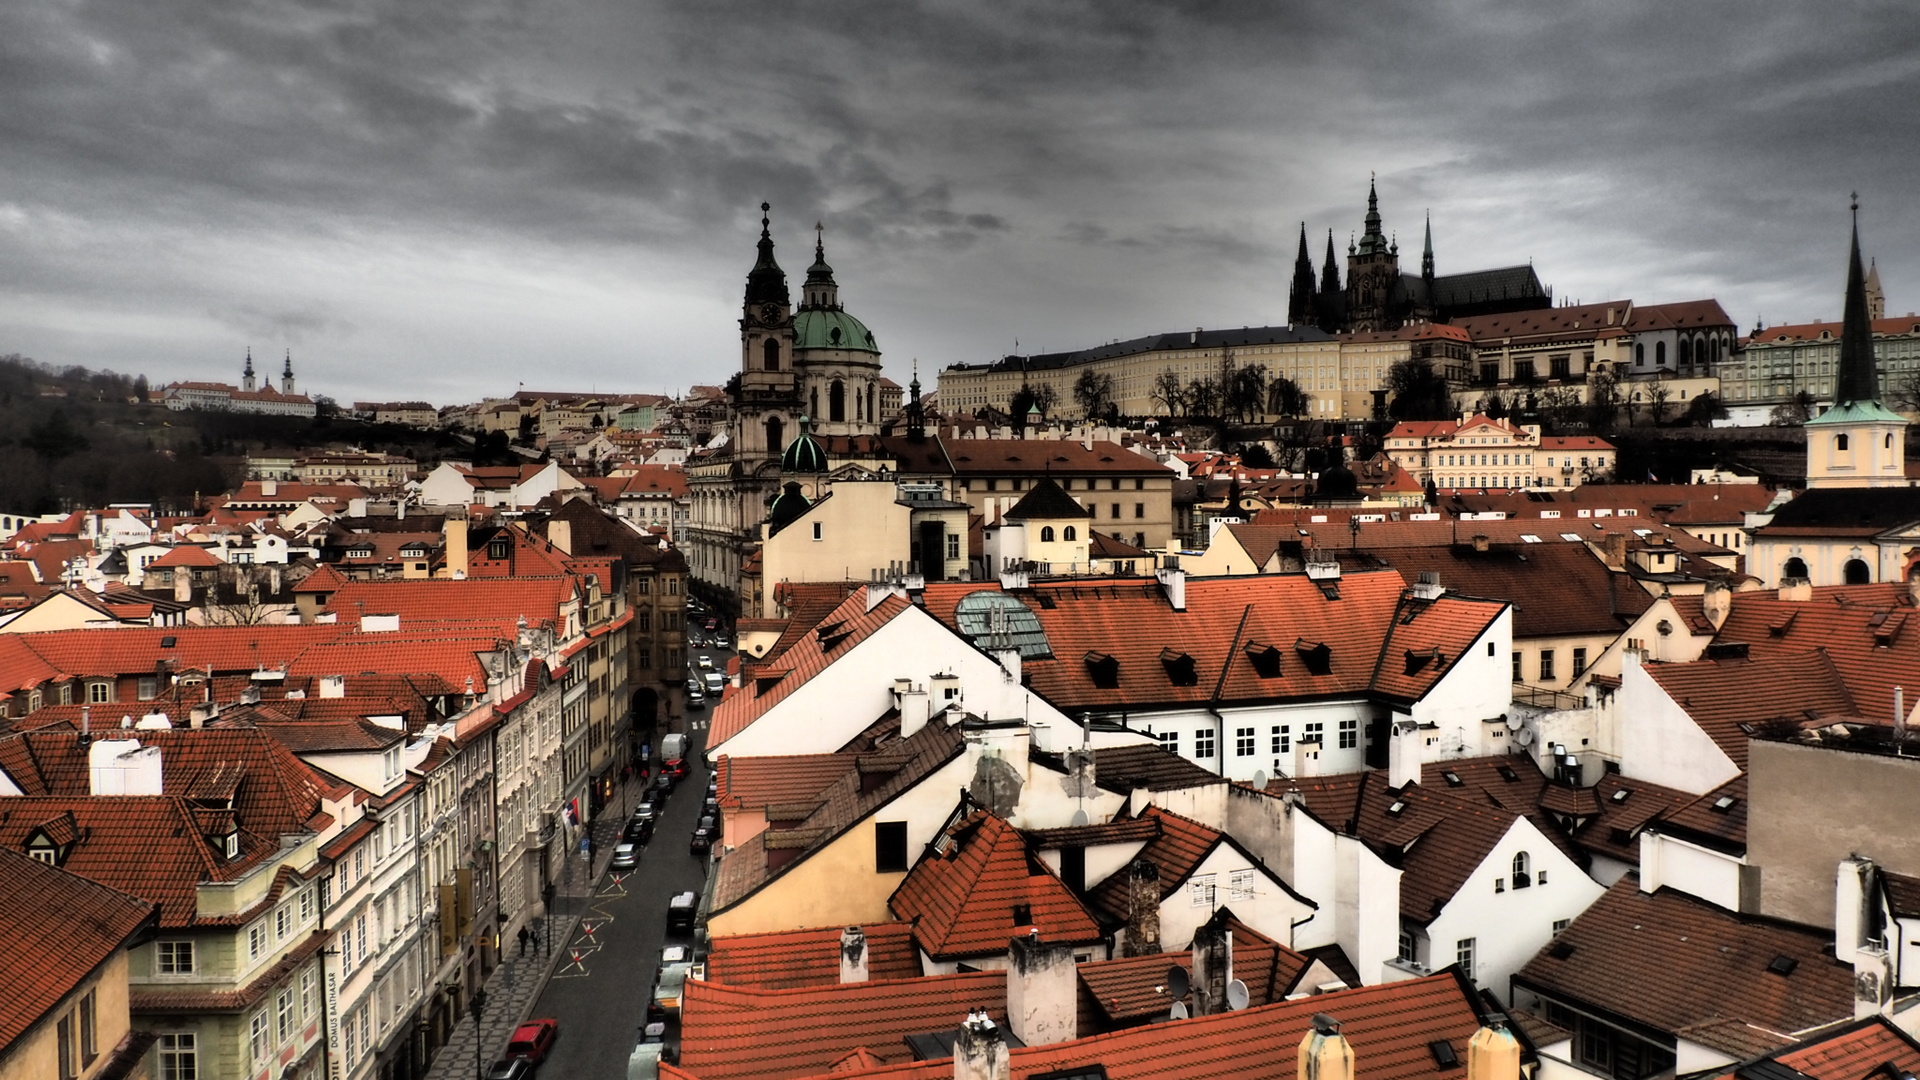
(477,1006)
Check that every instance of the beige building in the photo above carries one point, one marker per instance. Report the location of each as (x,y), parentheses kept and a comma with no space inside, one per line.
(1479,452)
(854,530)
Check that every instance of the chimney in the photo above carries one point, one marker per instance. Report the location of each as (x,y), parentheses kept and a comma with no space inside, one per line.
(1853,907)
(335,686)
(1042,991)
(560,535)
(1480,542)
(1212,965)
(1403,754)
(269,488)
(1143,910)
(455,529)
(1798,590)
(853,955)
(1324,1052)
(915,708)
(1009,664)
(1174,581)
(1615,547)
(979,1052)
(1716,602)
(1493,1053)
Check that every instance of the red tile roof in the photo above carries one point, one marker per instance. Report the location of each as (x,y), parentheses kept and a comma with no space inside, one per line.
(1121,993)
(1869,633)
(1723,695)
(757,781)
(1858,1051)
(733,1033)
(1180,847)
(803,958)
(1670,962)
(965,901)
(56,929)
(189,555)
(1058,457)
(770,683)
(1717,819)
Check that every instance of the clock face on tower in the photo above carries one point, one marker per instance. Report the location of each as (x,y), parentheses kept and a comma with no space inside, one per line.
(770,313)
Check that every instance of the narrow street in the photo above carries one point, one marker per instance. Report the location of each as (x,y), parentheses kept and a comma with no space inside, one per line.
(600,988)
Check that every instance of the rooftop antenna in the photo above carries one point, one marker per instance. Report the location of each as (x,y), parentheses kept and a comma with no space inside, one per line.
(1237,996)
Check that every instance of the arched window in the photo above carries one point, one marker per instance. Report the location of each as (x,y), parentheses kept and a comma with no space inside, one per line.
(813,397)
(1840,442)
(1069,533)
(1640,355)
(837,402)
(776,434)
(1889,441)
(770,354)
(1659,354)
(1686,351)
(873,401)
(1856,572)
(1522,864)
(1795,568)
(1046,534)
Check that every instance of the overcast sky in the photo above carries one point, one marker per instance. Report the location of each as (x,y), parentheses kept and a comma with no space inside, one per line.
(445,198)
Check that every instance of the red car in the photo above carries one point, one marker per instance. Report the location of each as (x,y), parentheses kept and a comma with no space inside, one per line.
(533,1040)
(676,767)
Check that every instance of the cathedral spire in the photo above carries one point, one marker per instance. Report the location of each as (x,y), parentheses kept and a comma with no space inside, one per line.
(1857,380)
(1300,294)
(1373,241)
(246,376)
(1330,271)
(1426,256)
(766,282)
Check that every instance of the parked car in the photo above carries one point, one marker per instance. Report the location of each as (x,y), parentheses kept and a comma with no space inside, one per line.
(715,681)
(710,808)
(625,857)
(533,1040)
(516,1068)
(696,698)
(650,1051)
(638,831)
(663,784)
(681,911)
(676,766)
(673,745)
(675,963)
(702,840)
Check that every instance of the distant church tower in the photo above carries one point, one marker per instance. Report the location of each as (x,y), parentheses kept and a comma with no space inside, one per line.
(246,376)
(838,359)
(286,375)
(1859,442)
(1373,272)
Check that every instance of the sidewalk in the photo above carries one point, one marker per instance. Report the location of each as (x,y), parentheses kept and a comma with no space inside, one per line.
(517,983)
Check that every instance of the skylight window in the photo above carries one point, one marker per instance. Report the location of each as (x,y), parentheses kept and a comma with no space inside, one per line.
(1397,807)
(1724,803)
(1453,778)
(1443,1054)
(1529,538)
(1572,538)
(1782,965)
(1621,795)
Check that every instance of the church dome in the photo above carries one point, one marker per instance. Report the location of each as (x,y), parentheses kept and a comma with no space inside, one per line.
(831,328)
(804,454)
(1338,482)
(787,507)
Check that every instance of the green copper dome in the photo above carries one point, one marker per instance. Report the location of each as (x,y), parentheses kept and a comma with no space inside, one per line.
(787,507)
(831,328)
(804,454)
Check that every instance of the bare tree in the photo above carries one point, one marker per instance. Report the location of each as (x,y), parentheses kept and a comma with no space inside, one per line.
(1169,393)
(1659,398)
(1794,411)
(1093,391)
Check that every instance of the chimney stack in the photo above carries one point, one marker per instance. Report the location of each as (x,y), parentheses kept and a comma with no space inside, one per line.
(1042,991)
(1615,547)
(1493,1053)
(853,955)
(979,1051)
(1480,542)
(915,708)
(1143,910)
(1212,965)
(1174,580)
(1798,590)
(1716,602)
(1324,1052)
(455,529)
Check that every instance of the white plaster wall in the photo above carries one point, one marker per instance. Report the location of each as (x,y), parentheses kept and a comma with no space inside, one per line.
(1509,927)
(1691,1057)
(1373,938)
(1712,876)
(445,486)
(1607,871)
(1659,742)
(1477,687)
(1103,860)
(1294,718)
(1269,910)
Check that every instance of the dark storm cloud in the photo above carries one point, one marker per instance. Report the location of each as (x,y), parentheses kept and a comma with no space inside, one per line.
(477,186)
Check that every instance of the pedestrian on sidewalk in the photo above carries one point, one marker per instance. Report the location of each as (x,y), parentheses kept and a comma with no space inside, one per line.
(524,935)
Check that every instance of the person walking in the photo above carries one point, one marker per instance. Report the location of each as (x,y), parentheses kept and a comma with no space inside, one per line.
(524,935)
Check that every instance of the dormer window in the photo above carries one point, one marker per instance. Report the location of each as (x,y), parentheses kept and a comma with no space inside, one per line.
(1318,656)
(1265,660)
(1103,669)
(231,845)
(1181,669)
(499,547)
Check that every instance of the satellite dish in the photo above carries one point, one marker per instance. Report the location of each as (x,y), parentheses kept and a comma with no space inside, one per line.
(1523,737)
(1177,983)
(1178,1012)
(1080,818)
(1237,997)
(1260,779)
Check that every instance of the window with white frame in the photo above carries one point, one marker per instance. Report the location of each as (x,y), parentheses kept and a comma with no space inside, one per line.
(99,692)
(1282,739)
(1409,947)
(306,906)
(1315,732)
(1463,956)
(1201,889)
(309,982)
(1240,886)
(259,1037)
(179,1056)
(1169,741)
(257,940)
(1522,863)
(284,1016)
(1203,743)
(173,957)
(283,922)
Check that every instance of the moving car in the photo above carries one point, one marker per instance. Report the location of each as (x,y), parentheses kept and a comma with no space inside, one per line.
(625,857)
(639,830)
(696,698)
(663,784)
(676,961)
(706,662)
(673,745)
(715,681)
(510,1069)
(533,1040)
(676,767)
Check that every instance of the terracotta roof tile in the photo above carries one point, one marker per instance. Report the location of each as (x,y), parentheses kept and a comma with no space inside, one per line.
(757,781)
(1855,1052)
(1718,818)
(850,624)
(55,929)
(1870,634)
(967,900)
(1131,991)
(1722,695)
(1667,961)
(804,958)
(1179,848)
(190,555)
